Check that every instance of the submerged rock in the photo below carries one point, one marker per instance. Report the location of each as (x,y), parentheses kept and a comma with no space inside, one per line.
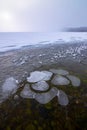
(41,86)
(48,75)
(75,80)
(59,71)
(62,98)
(60,80)
(27,92)
(36,76)
(46,97)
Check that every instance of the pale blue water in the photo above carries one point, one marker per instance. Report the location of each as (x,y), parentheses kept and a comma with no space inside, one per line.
(10,41)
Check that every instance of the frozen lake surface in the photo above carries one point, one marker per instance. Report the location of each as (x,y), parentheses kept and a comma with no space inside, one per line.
(9,41)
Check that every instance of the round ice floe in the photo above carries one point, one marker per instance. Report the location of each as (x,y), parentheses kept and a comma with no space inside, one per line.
(59,71)
(48,75)
(60,80)
(36,76)
(9,86)
(27,92)
(62,98)
(41,86)
(75,80)
(44,98)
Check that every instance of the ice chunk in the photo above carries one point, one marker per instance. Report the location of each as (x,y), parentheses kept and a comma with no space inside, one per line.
(75,80)
(46,97)
(59,71)
(9,86)
(60,80)
(41,86)
(48,75)
(27,92)
(36,76)
(62,98)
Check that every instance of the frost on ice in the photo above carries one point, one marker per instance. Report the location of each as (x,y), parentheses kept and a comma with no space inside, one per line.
(75,80)
(60,80)
(27,92)
(62,98)
(36,76)
(41,86)
(48,75)
(46,97)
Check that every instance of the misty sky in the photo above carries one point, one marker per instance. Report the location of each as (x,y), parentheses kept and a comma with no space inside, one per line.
(41,15)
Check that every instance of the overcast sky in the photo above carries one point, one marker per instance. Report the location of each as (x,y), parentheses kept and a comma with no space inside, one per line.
(41,15)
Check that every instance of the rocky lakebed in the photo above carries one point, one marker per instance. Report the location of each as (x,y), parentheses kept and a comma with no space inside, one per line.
(44,87)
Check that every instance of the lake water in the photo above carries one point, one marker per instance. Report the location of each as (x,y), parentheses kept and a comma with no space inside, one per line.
(10,40)
(18,113)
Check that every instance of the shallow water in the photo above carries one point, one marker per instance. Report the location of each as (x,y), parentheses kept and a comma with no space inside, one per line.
(24,114)
(17,113)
